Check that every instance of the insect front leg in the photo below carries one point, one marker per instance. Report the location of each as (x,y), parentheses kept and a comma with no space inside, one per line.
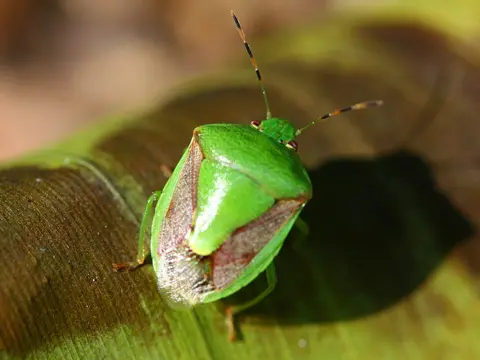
(146,220)
(232,310)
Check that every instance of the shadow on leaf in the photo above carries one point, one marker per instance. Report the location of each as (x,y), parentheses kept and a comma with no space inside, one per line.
(378,229)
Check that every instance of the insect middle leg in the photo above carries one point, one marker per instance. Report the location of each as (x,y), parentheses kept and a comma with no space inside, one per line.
(146,221)
(232,310)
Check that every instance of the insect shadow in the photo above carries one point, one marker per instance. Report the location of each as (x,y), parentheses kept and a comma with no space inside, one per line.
(378,229)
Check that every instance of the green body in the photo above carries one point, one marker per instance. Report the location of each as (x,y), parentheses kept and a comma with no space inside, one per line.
(226,210)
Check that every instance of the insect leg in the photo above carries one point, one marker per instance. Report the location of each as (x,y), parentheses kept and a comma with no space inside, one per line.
(232,310)
(146,220)
(301,234)
(167,172)
(302,227)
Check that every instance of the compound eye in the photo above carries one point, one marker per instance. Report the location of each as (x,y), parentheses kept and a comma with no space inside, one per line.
(292,145)
(255,124)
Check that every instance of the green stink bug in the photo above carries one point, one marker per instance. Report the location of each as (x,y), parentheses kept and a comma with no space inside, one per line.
(227,208)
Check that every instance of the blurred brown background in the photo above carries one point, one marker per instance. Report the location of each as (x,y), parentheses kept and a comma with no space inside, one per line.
(64,64)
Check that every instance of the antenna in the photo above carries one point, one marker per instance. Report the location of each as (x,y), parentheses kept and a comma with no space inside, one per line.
(254,62)
(359,106)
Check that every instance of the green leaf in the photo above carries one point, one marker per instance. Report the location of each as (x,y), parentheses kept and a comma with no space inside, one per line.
(386,272)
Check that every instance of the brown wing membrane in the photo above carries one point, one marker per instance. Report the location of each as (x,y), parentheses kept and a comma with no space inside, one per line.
(181,275)
(239,250)
(179,215)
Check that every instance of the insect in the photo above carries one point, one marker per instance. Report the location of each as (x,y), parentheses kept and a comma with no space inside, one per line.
(227,208)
